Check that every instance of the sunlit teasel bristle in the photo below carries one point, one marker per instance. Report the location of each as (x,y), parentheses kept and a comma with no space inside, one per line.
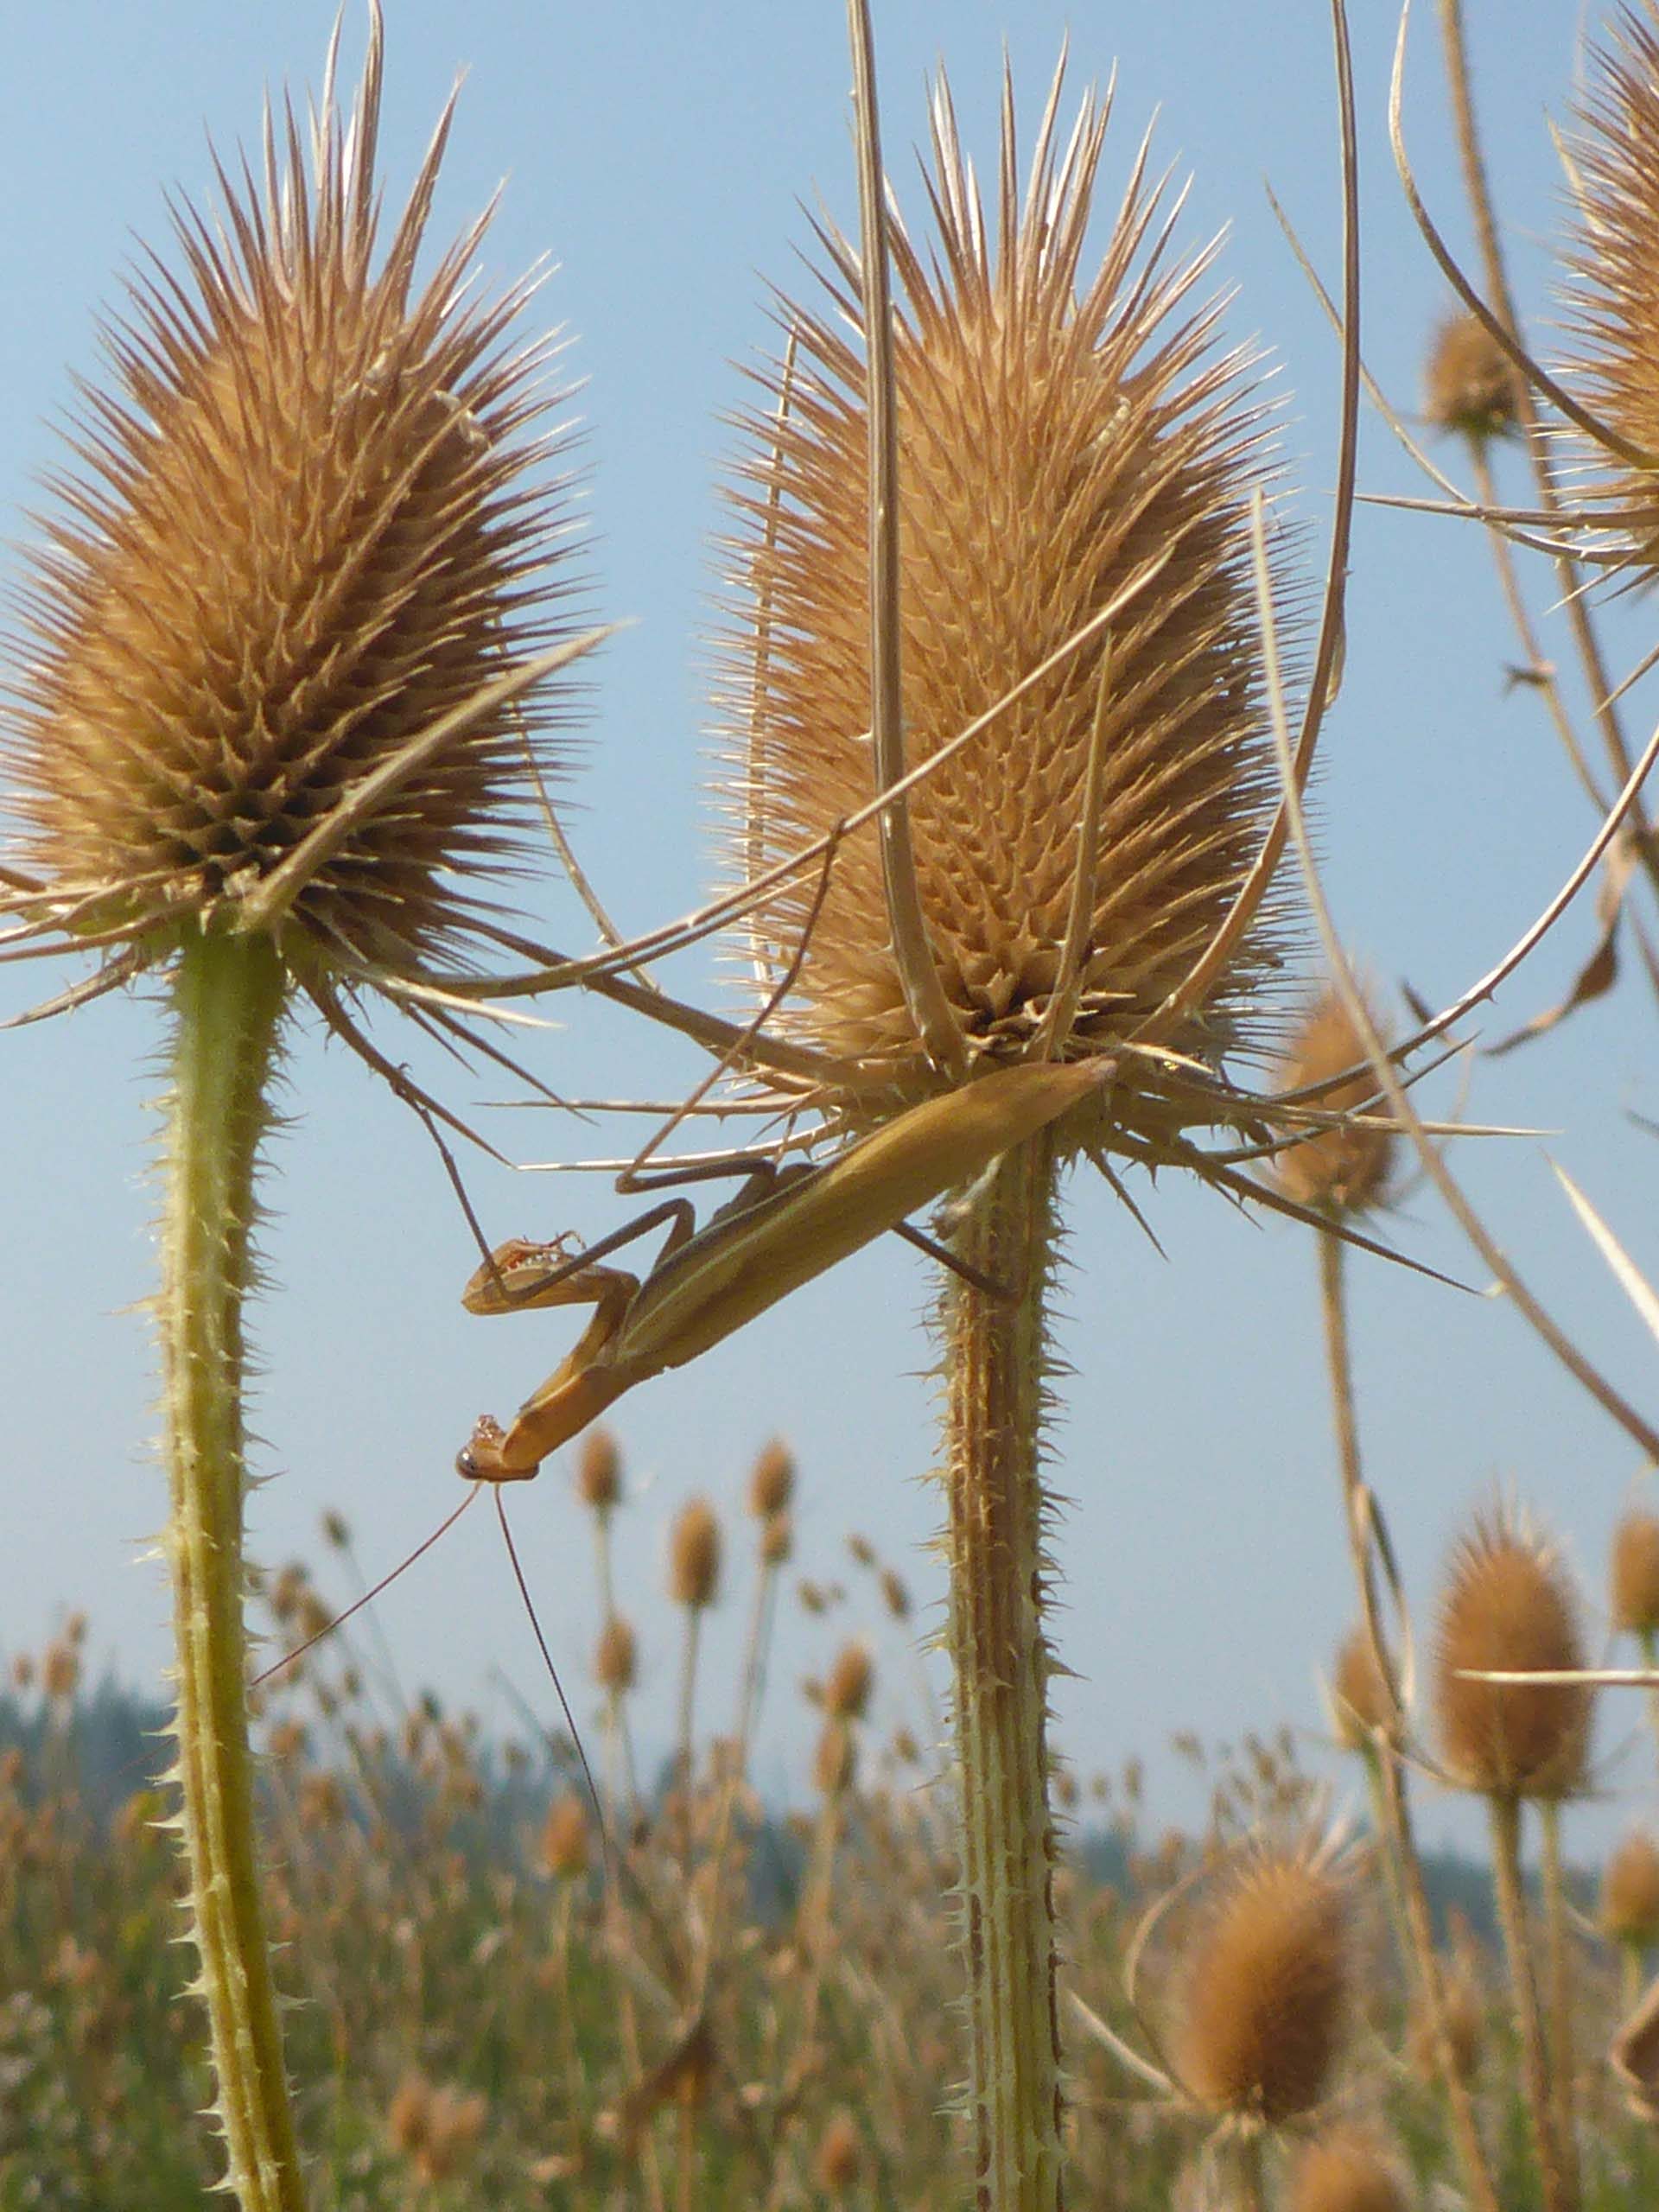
(1058,431)
(305,528)
(1612,320)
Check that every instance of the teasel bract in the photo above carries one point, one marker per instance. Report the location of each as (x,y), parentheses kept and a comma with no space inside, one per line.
(1025,470)
(268,725)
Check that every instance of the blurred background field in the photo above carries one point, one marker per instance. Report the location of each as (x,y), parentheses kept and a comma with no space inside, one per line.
(752,2002)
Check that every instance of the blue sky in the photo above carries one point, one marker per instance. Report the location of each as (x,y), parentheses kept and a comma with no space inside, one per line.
(660,155)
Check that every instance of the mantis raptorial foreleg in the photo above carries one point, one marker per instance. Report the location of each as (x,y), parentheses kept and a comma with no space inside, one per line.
(774,1235)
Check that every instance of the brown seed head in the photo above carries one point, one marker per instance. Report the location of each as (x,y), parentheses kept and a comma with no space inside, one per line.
(835,1761)
(772,1481)
(847,1687)
(1465,2025)
(60,1670)
(1613,261)
(1058,432)
(1342,1170)
(1470,383)
(1360,1703)
(694,1555)
(1345,2172)
(615,1656)
(895,1595)
(1265,1989)
(598,1471)
(301,535)
(563,1851)
(1634,1577)
(841,2156)
(1509,1604)
(1629,1907)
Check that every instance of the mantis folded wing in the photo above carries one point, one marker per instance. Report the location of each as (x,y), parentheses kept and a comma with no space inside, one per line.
(770,1240)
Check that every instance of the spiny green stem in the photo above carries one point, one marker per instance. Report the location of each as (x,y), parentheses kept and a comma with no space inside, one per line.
(996,1374)
(228,995)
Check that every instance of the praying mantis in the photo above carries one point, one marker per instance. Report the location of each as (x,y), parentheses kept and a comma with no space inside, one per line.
(783,1228)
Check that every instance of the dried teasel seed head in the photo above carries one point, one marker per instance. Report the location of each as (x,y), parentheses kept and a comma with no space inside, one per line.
(895,1596)
(839,2160)
(1628,1909)
(1508,1605)
(1465,2025)
(1060,434)
(615,1656)
(1360,1704)
(1346,2170)
(835,1763)
(694,1555)
(598,1471)
(1470,383)
(847,1687)
(59,1671)
(777,1539)
(1613,287)
(1339,1170)
(563,1844)
(303,535)
(772,1481)
(1265,1988)
(1634,1573)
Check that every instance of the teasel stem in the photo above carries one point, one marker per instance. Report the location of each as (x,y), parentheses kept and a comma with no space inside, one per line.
(1406,1891)
(995,1384)
(1505,1815)
(1252,2182)
(1460,2111)
(1559,1958)
(228,996)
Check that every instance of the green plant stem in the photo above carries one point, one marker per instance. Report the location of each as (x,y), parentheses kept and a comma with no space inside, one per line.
(995,1381)
(228,997)
(1505,1814)
(1460,2111)
(1559,1951)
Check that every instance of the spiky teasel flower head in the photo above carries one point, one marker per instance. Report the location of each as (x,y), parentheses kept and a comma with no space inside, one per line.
(1510,1605)
(1628,1908)
(1346,2170)
(1469,381)
(1265,1986)
(1065,441)
(1613,275)
(299,548)
(1346,1169)
(1634,1573)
